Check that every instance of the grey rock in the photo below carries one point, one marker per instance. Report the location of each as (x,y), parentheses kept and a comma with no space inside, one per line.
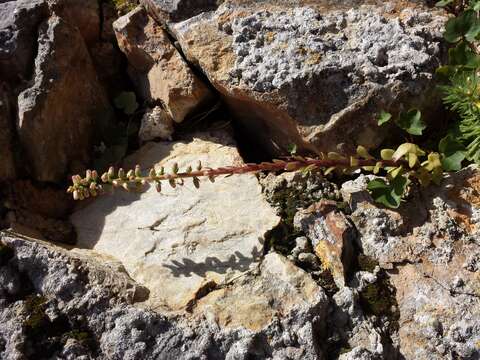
(429,245)
(316,73)
(156,124)
(178,10)
(94,302)
(302,245)
(19,22)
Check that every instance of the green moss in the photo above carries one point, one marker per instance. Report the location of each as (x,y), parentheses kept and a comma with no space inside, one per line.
(299,193)
(78,335)
(6,253)
(124,6)
(35,308)
(366,263)
(379,299)
(325,280)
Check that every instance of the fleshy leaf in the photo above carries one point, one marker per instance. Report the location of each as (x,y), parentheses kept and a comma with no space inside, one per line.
(411,121)
(384,118)
(465,25)
(453,153)
(388,194)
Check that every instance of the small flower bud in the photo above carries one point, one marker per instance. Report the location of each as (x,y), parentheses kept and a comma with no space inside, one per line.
(105,178)
(161,172)
(189,170)
(121,173)
(125,186)
(111,172)
(151,173)
(76,180)
(138,171)
(70,190)
(76,195)
(158,186)
(172,183)
(94,175)
(199,165)
(88,175)
(130,174)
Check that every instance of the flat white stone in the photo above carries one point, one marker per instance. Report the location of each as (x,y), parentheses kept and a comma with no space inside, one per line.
(177,241)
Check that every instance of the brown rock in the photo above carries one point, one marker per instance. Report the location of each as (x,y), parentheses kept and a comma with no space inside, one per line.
(58,114)
(157,68)
(84,15)
(333,238)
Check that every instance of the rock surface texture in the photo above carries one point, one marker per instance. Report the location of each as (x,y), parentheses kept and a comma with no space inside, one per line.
(69,305)
(314,73)
(160,73)
(63,105)
(185,240)
(54,104)
(432,249)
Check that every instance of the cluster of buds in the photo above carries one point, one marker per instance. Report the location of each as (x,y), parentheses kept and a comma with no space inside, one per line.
(405,158)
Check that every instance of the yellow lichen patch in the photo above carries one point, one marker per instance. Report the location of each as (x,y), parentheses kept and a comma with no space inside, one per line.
(314,58)
(269,37)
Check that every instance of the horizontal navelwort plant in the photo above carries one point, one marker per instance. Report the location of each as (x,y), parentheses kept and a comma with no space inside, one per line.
(407,164)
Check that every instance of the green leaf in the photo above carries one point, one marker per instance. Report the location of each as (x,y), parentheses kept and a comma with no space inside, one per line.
(453,153)
(292,149)
(411,121)
(127,102)
(463,55)
(384,118)
(443,3)
(465,25)
(388,194)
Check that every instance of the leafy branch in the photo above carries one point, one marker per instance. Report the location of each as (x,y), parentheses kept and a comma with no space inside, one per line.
(407,162)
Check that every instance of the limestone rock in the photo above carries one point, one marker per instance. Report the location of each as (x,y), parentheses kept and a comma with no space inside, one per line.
(79,304)
(177,10)
(58,114)
(7,161)
(255,301)
(156,124)
(19,21)
(430,244)
(157,68)
(316,73)
(180,241)
(333,238)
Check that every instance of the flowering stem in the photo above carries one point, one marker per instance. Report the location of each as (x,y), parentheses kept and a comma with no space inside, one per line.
(93,185)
